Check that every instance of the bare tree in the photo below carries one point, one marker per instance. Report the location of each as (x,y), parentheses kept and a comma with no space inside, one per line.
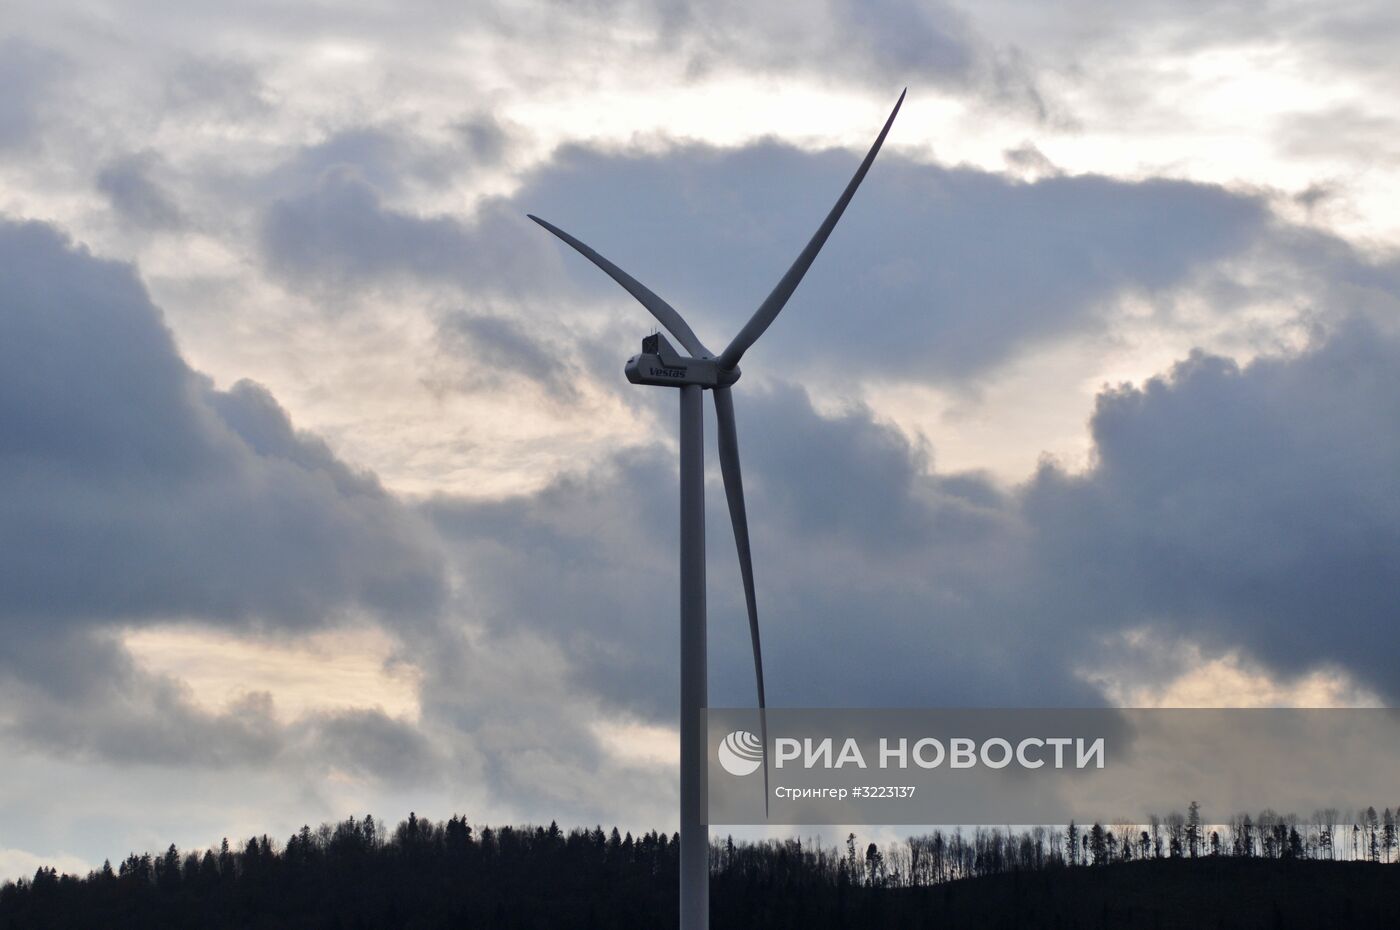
(1193,829)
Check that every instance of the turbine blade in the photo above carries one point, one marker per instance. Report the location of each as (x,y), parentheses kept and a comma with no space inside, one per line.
(665,314)
(728,435)
(768,310)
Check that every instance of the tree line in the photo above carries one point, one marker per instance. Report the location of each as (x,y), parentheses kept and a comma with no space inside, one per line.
(421,873)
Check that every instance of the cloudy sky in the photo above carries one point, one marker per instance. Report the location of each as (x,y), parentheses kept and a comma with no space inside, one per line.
(322,491)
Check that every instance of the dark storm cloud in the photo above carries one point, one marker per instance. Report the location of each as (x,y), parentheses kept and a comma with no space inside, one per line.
(79,696)
(859,550)
(540,561)
(1244,508)
(966,265)
(132,490)
(76,695)
(339,233)
(254,414)
(1254,506)
(137,197)
(969,266)
(519,721)
(329,223)
(371,743)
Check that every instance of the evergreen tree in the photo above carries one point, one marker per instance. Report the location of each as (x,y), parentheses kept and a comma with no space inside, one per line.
(1098,848)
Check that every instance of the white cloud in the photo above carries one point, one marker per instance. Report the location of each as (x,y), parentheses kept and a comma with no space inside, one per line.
(19,863)
(328,671)
(1153,672)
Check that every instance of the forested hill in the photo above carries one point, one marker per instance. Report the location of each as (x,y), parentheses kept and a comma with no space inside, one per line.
(440,875)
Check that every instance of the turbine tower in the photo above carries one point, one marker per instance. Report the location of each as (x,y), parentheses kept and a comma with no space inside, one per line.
(660,364)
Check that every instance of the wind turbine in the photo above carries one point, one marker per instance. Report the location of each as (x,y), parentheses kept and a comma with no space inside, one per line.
(660,364)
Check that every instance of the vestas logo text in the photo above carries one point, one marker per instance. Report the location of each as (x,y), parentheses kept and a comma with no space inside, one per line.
(666,372)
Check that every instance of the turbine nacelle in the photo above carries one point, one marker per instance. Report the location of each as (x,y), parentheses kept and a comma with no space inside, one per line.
(660,364)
